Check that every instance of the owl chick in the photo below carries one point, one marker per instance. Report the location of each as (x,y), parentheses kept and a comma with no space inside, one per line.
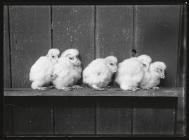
(68,70)
(98,74)
(146,61)
(130,73)
(42,70)
(152,77)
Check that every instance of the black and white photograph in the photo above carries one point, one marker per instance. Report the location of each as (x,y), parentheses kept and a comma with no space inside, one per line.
(95,70)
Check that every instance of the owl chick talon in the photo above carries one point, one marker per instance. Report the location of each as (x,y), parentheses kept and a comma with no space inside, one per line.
(155,88)
(108,87)
(101,89)
(50,87)
(76,87)
(96,88)
(66,88)
(135,89)
(42,88)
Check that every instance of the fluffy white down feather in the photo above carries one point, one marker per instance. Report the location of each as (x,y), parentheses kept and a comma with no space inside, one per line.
(130,73)
(68,70)
(98,74)
(41,71)
(152,77)
(146,61)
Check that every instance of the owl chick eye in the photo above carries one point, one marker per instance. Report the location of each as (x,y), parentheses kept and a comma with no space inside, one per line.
(71,58)
(144,65)
(53,56)
(111,64)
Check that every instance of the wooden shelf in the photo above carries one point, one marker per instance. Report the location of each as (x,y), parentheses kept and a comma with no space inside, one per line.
(162,92)
(144,112)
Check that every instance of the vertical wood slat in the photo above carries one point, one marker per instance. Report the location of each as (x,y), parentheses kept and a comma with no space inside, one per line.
(30,38)
(114,31)
(181,66)
(73,116)
(181,115)
(114,116)
(154,116)
(6,51)
(181,74)
(73,27)
(32,117)
(7,120)
(156,34)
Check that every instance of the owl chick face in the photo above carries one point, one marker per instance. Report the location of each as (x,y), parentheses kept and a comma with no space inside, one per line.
(53,54)
(111,62)
(72,55)
(146,60)
(74,59)
(159,67)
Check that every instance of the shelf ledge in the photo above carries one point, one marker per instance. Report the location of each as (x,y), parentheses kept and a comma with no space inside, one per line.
(162,92)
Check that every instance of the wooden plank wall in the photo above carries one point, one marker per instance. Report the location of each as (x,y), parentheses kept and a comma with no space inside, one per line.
(8,119)
(181,117)
(97,31)
(73,27)
(29,38)
(32,116)
(6,50)
(157,34)
(73,116)
(113,117)
(114,31)
(154,116)
(63,116)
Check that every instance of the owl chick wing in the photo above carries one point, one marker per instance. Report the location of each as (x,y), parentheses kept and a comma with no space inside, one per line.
(66,74)
(146,80)
(150,80)
(96,72)
(41,70)
(130,73)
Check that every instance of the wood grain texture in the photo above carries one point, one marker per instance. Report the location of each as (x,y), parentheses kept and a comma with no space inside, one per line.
(181,74)
(6,51)
(32,117)
(181,114)
(71,116)
(30,39)
(7,120)
(114,31)
(154,116)
(182,51)
(74,116)
(73,27)
(157,34)
(164,92)
(114,115)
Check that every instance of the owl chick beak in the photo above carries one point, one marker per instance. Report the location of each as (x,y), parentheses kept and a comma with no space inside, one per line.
(147,67)
(77,63)
(115,69)
(162,76)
